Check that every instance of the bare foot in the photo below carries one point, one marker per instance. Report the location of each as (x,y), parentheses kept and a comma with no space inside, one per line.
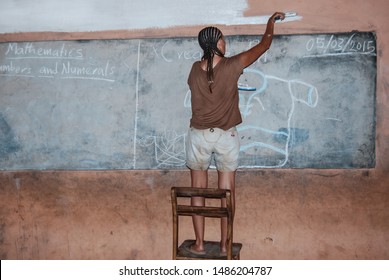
(198,250)
(223,249)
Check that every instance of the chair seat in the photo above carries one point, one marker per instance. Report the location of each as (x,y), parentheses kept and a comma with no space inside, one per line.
(212,249)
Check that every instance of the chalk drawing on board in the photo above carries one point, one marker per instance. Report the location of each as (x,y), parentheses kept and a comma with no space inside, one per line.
(169,149)
(270,132)
(263,131)
(136,103)
(123,105)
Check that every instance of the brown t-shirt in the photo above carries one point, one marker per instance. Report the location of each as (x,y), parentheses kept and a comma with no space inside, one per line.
(221,107)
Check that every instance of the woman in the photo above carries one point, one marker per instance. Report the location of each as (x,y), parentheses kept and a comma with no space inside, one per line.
(215,113)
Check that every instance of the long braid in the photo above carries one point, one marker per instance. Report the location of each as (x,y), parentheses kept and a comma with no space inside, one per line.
(208,38)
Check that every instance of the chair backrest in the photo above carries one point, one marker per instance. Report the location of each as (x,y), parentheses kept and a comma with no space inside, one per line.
(185,209)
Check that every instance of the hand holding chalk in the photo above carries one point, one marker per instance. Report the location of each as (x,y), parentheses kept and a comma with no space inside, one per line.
(286,15)
(277,16)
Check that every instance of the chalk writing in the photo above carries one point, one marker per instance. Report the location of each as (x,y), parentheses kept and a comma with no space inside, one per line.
(71,63)
(115,104)
(332,45)
(10,69)
(170,56)
(29,50)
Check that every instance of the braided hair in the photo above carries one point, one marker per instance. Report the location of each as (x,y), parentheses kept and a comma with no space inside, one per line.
(208,38)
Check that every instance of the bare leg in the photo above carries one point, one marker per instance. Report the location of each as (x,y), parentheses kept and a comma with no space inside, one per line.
(226,181)
(199,180)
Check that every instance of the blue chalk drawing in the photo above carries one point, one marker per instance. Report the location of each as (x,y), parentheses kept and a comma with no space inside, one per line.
(267,115)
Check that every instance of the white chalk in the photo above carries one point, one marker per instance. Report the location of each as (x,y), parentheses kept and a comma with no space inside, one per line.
(290,14)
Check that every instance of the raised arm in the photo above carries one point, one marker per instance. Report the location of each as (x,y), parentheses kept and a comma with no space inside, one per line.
(251,55)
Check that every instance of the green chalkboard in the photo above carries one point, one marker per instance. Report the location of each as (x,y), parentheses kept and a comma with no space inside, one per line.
(309,102)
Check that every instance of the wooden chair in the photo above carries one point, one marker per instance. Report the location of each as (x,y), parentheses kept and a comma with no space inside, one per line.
(212,248)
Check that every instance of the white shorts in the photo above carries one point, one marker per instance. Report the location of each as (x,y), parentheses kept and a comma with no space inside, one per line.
(202,144)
